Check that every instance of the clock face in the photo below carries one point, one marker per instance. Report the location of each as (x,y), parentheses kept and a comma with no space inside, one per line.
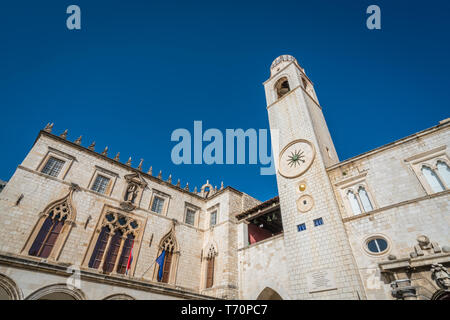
(296,158)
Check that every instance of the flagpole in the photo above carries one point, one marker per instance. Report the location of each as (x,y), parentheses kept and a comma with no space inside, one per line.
(142,277)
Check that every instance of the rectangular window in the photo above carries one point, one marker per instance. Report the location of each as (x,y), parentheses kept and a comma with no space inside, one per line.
(53,167)
(301,227)
(158,204)
(318,222)
(213,220)
(100,184)
(190,217)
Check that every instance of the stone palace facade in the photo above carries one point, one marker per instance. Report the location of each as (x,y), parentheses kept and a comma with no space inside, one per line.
(78,224)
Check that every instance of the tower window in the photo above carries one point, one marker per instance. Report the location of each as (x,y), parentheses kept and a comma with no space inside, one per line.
(305,84)
(282,87)
(301,227)
(318,222)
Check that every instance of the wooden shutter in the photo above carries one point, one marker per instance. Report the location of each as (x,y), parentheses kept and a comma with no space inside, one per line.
(210,273)
(40,238)
(99,249)
(113,251)
(166,268)
(125,255)
(50,241)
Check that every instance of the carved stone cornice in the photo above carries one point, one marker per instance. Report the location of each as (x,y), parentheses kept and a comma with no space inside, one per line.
(60,269)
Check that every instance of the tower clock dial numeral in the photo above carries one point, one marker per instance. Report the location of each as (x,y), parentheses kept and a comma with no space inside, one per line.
(296,158)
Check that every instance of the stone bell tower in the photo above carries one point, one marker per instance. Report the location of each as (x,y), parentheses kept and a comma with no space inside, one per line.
(320,261)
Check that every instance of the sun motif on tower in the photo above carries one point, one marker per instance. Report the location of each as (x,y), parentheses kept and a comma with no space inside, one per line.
(295,158)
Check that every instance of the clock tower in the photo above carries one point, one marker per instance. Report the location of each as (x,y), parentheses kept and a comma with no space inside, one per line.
(319,258)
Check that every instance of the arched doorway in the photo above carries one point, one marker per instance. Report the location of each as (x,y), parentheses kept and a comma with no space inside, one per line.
(9,289)
(269,294)
(57,296)
(119,296)
(441,295)
(57,292)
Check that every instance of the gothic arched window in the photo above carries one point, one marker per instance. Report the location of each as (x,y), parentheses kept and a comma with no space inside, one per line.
(432,179)
(52,228)
(166,266)
(282,87)
(113,251)
(364,197)
(444,172)
(126,257)
(353,202)
(99,249)
(209,256)
(168,246)
(47,236)
(210,272)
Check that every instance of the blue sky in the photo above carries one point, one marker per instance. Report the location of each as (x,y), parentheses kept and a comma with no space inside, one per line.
(137,70)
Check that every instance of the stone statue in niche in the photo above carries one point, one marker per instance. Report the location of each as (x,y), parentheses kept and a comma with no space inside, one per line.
(440,274)
(133,191)
(131,194)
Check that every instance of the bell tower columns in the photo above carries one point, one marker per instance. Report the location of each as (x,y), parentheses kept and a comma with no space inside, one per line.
(319,257)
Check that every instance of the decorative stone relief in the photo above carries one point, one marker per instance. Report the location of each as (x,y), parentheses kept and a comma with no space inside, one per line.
(440,274)
(305,203)
(425,246)
(296,158)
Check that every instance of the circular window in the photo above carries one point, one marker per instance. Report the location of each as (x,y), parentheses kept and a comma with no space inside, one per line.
(377,245)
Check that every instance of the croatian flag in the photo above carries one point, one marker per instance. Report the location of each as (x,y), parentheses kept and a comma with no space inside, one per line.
(160,261)
(130,258)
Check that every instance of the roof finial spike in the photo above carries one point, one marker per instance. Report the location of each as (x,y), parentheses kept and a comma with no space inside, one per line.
(105,152)
(140,165)
(187,186)
(160,174)
(128,162)
(92,146)
(150,171)
(49,127)
(117,157)
(78,141)
(221,185)
(64,134)
(178,183)
(169,180)
(195,189)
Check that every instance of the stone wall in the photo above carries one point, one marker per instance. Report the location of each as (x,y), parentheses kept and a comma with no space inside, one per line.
(263,265)
(403,209)
(29,192)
